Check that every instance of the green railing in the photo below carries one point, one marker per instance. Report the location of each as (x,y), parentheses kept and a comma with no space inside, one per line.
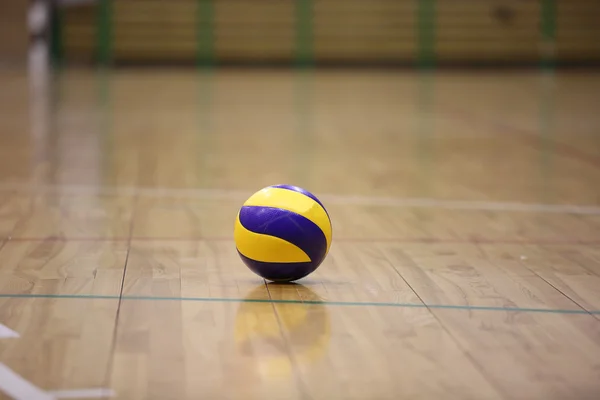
(548,30)
(104,35)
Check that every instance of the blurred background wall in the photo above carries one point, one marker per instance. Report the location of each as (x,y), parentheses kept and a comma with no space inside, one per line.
(14,37)
(382,32)
(322,32)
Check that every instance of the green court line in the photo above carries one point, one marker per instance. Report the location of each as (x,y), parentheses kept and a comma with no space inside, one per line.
(424,130)
(106,136)
(547,133)
(304,302)
(304,132)
(58,296)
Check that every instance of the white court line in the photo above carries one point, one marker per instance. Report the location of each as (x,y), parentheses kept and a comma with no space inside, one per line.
(82,393)
(460,204)
(6,332)
(218,194)
(371,201)
(18,388)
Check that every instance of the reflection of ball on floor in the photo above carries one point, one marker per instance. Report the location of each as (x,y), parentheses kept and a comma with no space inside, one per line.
(265,333)
(282,233)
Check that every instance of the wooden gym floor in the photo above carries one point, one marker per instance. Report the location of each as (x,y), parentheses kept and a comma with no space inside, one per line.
(465,262)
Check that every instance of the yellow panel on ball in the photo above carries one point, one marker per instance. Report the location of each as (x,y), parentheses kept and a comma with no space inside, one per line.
(296,202)
(266,248)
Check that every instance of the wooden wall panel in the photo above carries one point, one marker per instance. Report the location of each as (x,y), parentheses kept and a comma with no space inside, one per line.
(487,30)
(342,30)
(14,33)
(155,30)
(255,30)
(79,32)
(578,30)
(355,30)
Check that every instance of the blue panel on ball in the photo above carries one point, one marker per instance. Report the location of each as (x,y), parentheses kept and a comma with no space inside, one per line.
(286,225)
(300,190)
(279,272)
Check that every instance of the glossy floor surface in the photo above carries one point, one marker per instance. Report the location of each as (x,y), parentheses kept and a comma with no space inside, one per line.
(465,261)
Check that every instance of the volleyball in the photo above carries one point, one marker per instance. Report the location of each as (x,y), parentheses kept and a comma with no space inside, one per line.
(282,233)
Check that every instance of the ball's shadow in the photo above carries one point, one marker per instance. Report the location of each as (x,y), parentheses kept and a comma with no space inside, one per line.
(282,284)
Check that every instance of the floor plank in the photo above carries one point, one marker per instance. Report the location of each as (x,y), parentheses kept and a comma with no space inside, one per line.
(466,229)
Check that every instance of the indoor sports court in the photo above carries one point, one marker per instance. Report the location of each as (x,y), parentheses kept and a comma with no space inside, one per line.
(453,145)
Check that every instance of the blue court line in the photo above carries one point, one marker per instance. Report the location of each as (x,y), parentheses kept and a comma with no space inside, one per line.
(306,302)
